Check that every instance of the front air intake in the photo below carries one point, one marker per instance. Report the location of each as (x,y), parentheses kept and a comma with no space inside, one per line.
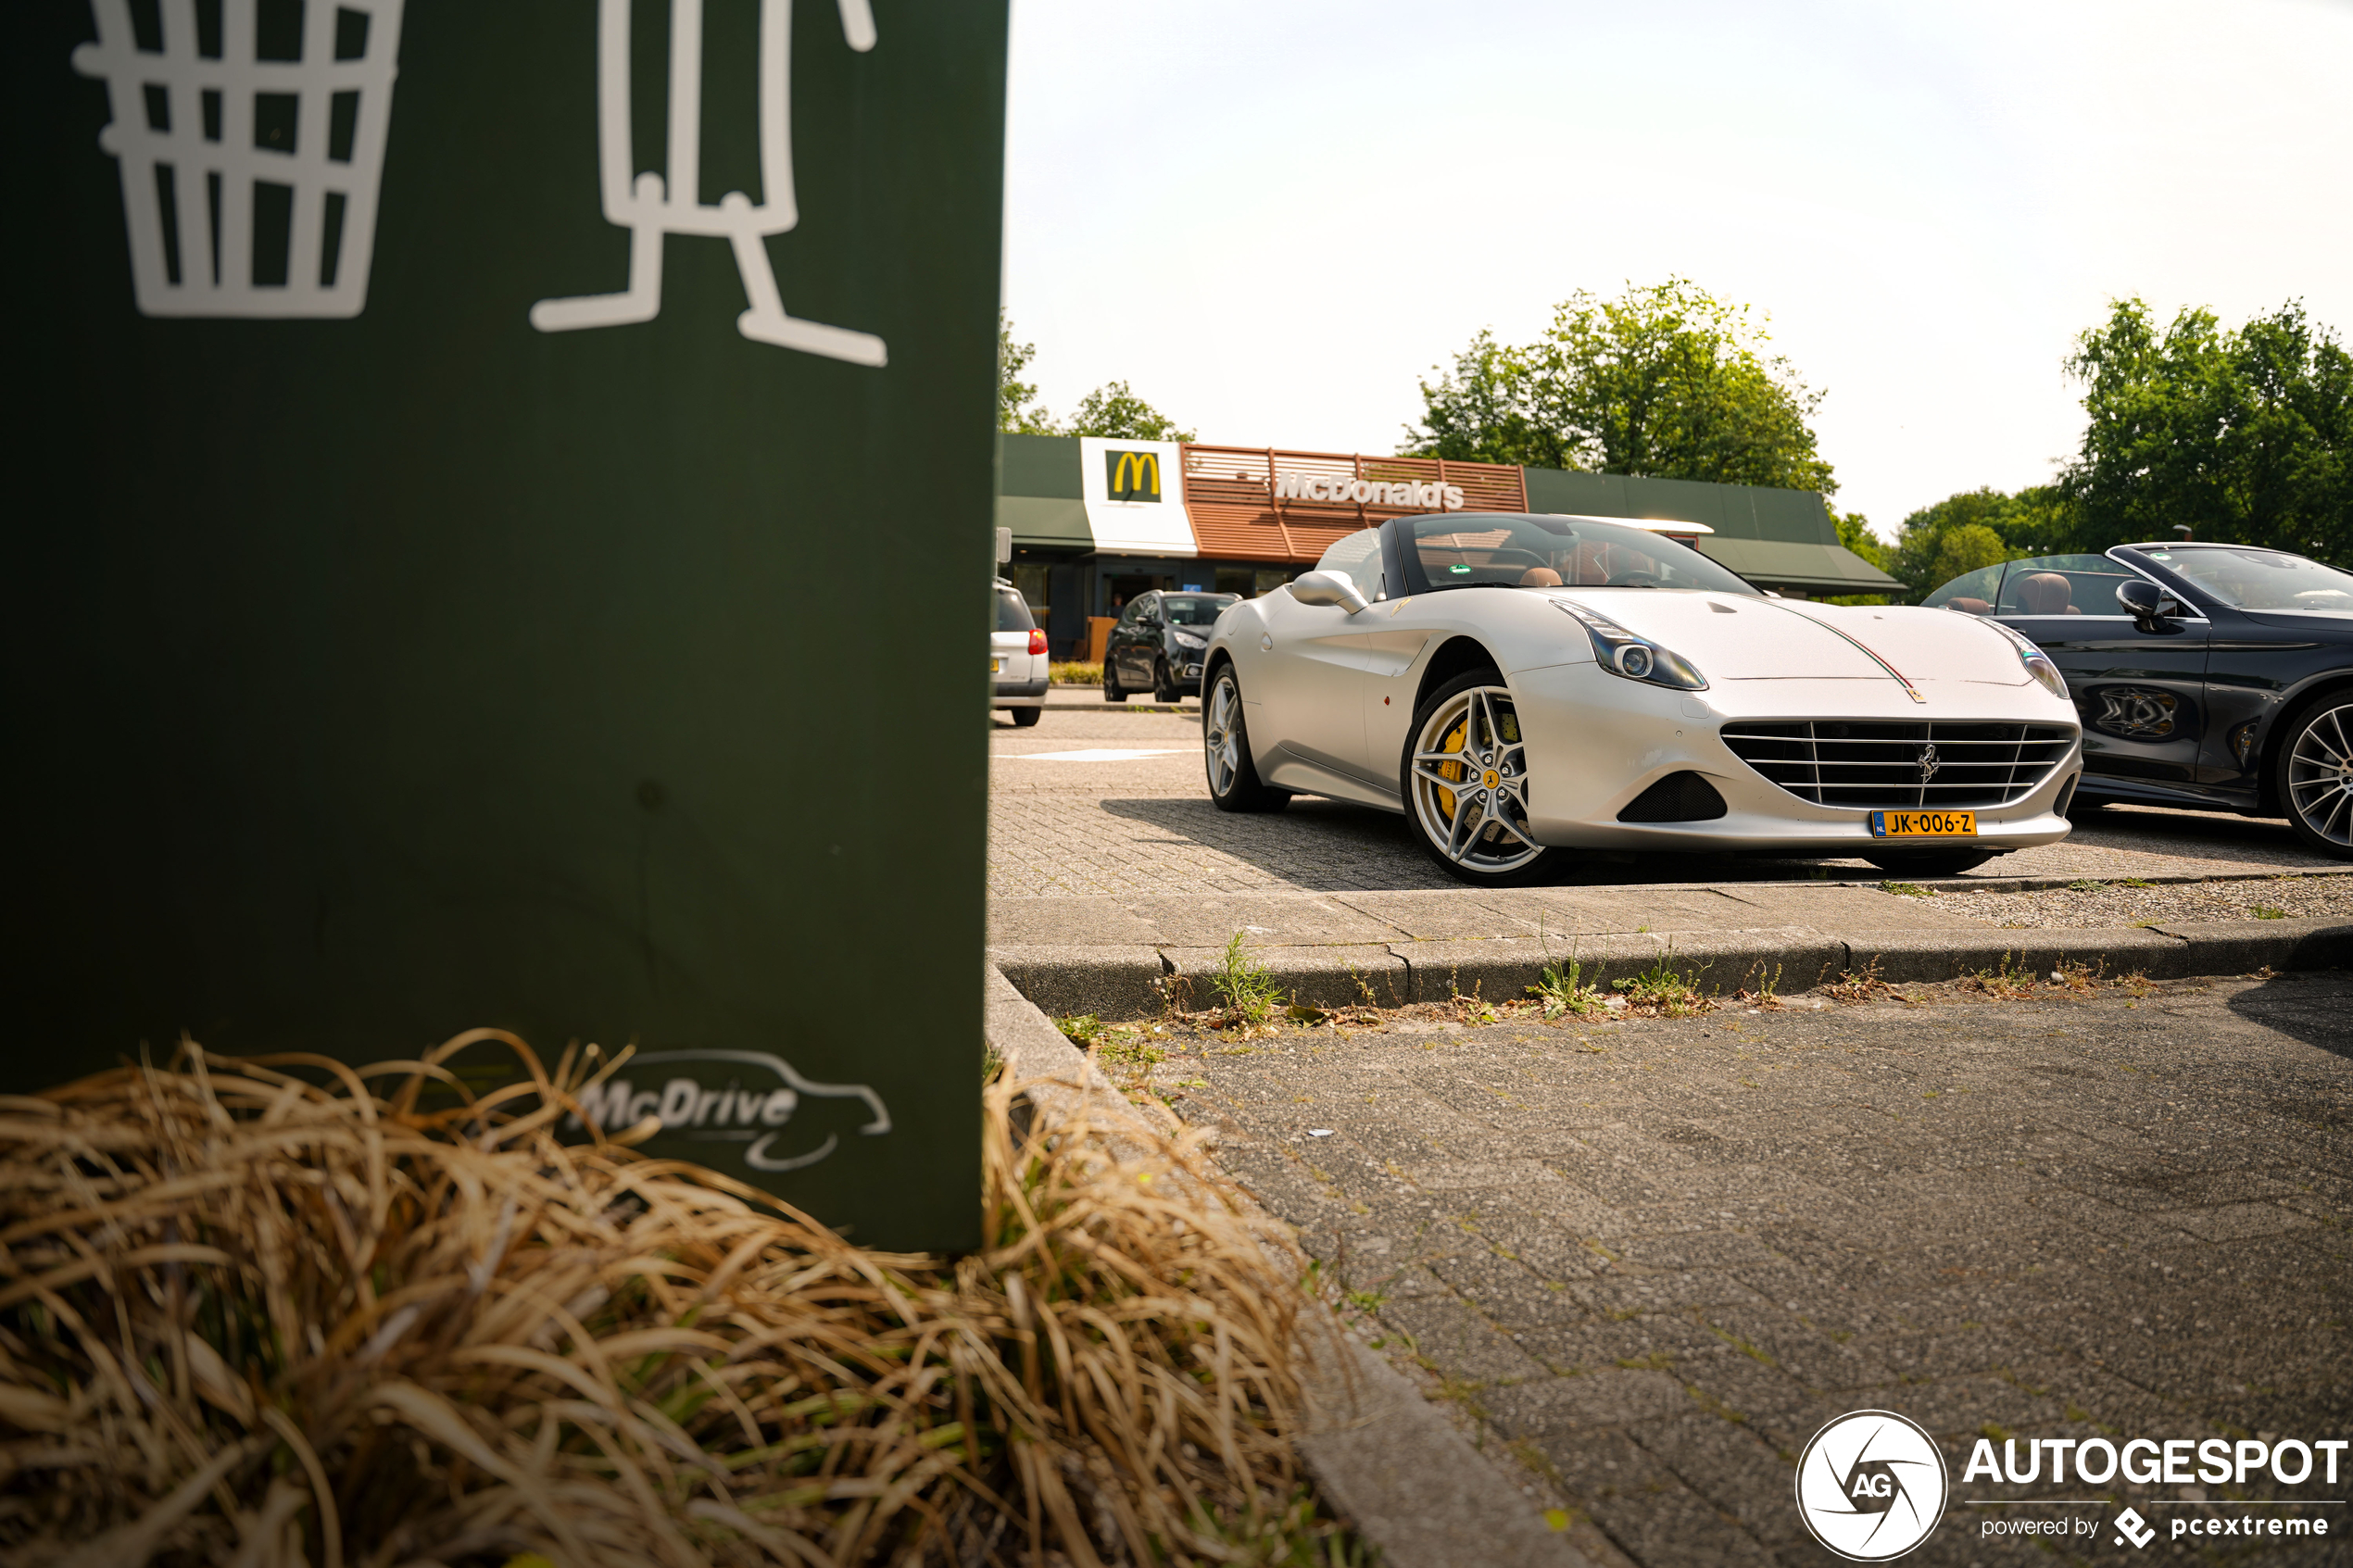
(1879,765)
(1677,798)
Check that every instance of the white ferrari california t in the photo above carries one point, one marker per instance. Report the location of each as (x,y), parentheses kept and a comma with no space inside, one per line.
(1522,687)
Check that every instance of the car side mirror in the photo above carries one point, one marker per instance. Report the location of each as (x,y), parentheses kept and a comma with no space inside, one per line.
(2147,603)
(1328,588)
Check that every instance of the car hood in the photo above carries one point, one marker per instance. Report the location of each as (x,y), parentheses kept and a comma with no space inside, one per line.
(1779,640)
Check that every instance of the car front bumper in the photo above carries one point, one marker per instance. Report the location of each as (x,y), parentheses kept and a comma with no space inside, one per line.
(1595,742)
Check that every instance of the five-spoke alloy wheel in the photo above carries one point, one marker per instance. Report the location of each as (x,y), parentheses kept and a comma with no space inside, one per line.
(2315,779)
(1233,784)
(1466,774)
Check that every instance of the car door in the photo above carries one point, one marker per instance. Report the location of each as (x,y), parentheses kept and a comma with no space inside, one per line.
(1126,637)
(2139,691)
(2256,666)
(1315,699)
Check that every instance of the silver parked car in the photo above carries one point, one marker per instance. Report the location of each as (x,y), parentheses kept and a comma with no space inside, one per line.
(1524,688)
(1018,659)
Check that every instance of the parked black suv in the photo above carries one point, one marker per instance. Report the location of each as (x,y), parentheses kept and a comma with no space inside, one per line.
(1158,644)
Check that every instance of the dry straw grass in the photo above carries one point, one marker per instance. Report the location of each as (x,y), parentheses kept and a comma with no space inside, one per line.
(275,1312)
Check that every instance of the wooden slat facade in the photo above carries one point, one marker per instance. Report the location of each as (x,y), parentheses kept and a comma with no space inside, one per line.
(1229,494)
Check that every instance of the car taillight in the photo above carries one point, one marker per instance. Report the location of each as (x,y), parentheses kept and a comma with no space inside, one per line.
(1036,640)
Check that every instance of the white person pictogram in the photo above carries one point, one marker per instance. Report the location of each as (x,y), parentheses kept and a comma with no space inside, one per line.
(651,206)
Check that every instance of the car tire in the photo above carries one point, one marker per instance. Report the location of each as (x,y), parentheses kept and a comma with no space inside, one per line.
(1233,784)
(1164,683)
(1112,690)
(2313,774)
(1930,862)
(1471,815)
(1026,718)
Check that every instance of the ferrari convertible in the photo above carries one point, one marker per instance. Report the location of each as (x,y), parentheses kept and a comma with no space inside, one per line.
(1523,687)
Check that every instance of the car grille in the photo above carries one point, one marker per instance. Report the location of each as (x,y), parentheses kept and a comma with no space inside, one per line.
(1879,765)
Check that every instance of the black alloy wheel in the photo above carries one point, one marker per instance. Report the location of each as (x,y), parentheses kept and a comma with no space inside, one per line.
(2313,775)
(1164,683)
(1464,779)
(1112,690)
(1233,784)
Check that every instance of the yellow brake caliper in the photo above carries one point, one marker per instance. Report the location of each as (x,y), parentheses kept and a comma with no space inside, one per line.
(1452,771)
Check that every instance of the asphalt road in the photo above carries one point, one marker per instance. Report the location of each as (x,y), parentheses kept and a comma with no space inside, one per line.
(1111,801)
(1647,1260)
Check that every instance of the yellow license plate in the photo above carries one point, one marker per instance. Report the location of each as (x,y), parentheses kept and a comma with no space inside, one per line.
(995,665)
(1923,825)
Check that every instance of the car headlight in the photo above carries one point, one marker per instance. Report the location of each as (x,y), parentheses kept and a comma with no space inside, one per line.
(1635,659)
(1186,640)
(2038,663)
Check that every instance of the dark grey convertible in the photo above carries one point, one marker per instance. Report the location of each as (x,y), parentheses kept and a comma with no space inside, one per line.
(2213,676)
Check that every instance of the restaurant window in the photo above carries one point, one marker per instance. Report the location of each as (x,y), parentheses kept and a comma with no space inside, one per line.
(1032,581)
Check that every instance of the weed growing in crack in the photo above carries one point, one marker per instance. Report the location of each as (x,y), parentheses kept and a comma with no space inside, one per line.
(1560,989)
(1662,989)
(1245,986)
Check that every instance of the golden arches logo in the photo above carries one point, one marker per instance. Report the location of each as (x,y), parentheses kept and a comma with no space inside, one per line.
(1131,476)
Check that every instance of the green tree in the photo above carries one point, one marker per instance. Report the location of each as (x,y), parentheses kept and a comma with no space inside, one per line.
(1855,532)
(1965,549)
(1111,410)
(1979,527)
(1017,406)
(2243,434)
(1664,380)
(1477,412)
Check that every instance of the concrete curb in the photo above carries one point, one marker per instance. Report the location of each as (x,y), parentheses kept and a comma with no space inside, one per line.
(1129,981)
(1386,1459)
(1089,699)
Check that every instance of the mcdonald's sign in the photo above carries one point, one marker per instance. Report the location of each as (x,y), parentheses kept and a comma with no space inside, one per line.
(1131,476)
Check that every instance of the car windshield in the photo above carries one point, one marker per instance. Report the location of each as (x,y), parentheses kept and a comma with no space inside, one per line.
(2037,585)
(1194,609)
(1487,551)
(2248,579)
(1013,612)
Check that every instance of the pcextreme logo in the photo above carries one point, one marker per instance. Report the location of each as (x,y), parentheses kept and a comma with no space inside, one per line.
(1871,1486)
(1131,476)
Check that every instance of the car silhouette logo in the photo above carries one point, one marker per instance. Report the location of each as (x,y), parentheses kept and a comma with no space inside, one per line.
(1929,763)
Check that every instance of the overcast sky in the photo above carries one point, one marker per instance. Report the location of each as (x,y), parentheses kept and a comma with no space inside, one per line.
(1272,217)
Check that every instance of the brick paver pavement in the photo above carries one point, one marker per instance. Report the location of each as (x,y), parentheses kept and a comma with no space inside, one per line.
(1651,1258)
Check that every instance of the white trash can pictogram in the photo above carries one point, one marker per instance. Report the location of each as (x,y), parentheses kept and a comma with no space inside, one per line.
(249,179)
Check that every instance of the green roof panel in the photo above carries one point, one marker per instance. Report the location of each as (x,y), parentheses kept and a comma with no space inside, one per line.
(1818,569)
(1037,465)
(1048,522)
(1577,495)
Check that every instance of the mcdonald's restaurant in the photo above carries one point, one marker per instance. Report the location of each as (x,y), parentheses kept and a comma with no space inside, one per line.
(1096,520)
